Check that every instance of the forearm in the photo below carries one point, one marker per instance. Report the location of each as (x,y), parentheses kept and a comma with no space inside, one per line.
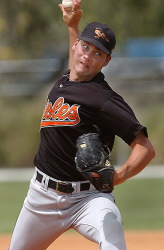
(142,153)
(72,19)
(73,35)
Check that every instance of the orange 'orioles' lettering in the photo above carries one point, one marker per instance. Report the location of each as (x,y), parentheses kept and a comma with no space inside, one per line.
(60,114)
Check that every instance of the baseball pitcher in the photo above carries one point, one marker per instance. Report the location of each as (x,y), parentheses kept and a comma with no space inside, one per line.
(74,178)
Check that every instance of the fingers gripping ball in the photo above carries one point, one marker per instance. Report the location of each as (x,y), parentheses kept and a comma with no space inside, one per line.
(93,162)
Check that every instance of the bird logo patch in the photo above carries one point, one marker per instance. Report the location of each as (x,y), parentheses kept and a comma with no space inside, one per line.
(100,34)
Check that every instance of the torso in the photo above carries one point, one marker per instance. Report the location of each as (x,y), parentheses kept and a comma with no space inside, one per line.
(72,109)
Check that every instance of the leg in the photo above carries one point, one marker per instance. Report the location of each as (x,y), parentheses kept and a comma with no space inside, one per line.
(101,223)
(39,222)
(32,232)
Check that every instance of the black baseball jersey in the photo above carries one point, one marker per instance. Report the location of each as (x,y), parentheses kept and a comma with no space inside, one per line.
(75,108)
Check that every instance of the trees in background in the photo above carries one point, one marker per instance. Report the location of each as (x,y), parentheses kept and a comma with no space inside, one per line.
(33,29)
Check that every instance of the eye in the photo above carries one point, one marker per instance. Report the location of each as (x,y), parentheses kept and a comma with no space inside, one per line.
(85,46)
(98,53)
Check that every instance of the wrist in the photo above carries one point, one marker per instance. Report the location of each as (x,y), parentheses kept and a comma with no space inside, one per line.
(118,177)
(73,30)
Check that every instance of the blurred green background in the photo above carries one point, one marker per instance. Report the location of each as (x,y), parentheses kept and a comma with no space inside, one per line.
(31,29)
(140,201)
(34,51)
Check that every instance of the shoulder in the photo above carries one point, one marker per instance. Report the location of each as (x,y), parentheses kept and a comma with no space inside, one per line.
(117,103)
(102,85)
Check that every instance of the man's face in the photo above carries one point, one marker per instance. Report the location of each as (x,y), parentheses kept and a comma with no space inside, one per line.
(88,60)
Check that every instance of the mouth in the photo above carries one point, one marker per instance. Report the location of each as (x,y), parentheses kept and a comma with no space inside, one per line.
(84,65)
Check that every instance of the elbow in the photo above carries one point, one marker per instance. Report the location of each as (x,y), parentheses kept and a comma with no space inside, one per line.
(150,149)
(152,152)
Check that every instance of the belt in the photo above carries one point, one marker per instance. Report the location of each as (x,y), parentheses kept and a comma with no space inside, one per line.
(63,187)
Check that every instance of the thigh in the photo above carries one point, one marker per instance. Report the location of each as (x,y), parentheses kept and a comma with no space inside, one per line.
(101,222)
(38,224)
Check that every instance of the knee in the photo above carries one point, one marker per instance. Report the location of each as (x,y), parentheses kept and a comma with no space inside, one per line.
(112,234)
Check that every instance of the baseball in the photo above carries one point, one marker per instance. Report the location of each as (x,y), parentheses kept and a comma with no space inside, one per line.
(67,4)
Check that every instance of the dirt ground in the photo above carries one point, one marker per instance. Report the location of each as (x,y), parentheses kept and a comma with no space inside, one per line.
(136,240)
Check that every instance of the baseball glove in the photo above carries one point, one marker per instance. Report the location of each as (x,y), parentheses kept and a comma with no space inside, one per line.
(93,162)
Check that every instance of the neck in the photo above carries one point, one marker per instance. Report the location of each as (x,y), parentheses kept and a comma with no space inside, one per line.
(79,78)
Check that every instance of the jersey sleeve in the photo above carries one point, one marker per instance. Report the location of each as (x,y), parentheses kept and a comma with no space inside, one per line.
(120,118)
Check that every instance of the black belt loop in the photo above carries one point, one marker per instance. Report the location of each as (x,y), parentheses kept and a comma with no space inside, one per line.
(62,187)
(39,177)
(84,186)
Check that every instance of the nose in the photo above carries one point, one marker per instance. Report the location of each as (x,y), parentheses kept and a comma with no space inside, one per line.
(87,57)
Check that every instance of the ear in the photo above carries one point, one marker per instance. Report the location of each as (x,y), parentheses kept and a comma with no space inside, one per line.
(74,45)
(107,60)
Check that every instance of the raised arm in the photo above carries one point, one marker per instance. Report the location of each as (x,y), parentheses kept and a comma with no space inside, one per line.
(72,19)
(142,153)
